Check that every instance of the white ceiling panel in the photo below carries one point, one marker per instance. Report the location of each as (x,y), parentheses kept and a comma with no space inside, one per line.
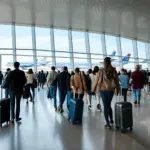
(128,18)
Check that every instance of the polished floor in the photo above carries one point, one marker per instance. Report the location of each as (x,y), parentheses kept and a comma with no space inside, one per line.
(43,129)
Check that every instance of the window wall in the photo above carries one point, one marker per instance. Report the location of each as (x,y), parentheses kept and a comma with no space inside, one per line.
(43,47)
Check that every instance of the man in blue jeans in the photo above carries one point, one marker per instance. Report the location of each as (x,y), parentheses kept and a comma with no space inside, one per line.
(137,84)
(53,85)
(63,80)
(16,80)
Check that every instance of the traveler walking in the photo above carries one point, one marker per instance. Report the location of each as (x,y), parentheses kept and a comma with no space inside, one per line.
(16,80)
(7,89)
(62,80)
(1,77)
(78,84)
(42,79)
(30,84)
(124,80)
(92,76)
(137,84)
(52,85)
(107,81)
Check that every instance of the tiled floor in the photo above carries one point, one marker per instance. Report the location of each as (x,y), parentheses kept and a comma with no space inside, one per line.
(43,129)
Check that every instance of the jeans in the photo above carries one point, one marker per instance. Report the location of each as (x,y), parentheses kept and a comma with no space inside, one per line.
(62,96)
(79,96)
(12,105)
(53,92)
(136,94)
(107,98)
(31,86)
(124,93)
(6,93)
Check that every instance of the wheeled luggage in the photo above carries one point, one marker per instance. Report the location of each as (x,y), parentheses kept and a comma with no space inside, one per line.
(76,110)
(123,116)
(26,92)
(4,111)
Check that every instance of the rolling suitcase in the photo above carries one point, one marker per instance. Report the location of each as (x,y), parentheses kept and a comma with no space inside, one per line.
(76,111)
(4,110)
(123,116)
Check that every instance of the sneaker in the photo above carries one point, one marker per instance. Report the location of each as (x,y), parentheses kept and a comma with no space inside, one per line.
(135,102)
(18,119)
(99,108)
(111,122)
(12,122)
(108,126)
(90,107)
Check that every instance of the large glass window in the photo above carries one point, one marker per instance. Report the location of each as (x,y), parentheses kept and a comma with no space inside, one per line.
(44,63)
(81,63)
(7,62)
(95,43)
(111,45)
(24,52)
(43,41)
(23,37)
(127,47)
(61,54)
(141,50)
(44,53)
(61,40)
(61,62)
(5,36)
(78,39)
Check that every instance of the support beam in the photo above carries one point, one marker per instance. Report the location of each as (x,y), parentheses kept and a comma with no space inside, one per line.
(14,42)
(34,48)
(103,45)
(135,52)
(71,49)
(53,46)
(87,44)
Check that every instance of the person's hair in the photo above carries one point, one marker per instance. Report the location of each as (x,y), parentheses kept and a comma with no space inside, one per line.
(53,68)
(77,70)
(16,65)
(8,69)
(41,71)
(89,71)
(107,61)
(65,68)
(0,72)
(95,70)
(72,73)
(137,67)
(30,71)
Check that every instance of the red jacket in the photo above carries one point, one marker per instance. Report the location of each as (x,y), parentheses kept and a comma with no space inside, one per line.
(137,79)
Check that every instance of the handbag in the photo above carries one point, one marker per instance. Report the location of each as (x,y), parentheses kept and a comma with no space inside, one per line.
(26,92)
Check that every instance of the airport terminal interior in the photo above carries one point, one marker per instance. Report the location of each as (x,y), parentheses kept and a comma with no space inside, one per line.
(74,33)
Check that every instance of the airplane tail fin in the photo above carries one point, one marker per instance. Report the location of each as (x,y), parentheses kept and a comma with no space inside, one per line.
(113,53)
(126,59)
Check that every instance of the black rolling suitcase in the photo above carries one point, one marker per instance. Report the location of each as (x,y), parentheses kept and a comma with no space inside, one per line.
(4,110)
(123,116)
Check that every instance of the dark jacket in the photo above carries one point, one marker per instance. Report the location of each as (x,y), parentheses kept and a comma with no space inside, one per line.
(137,79)
(63,80)
(16,80)
(42,77)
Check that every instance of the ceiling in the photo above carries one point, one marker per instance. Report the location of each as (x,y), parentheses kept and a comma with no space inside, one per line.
(127,18)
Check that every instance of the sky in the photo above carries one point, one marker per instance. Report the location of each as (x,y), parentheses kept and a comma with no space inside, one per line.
(43,45)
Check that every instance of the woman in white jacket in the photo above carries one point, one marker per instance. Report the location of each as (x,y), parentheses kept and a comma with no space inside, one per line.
(92,76)
(30,84)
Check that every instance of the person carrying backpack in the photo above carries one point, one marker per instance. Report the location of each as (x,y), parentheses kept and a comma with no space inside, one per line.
(107,81)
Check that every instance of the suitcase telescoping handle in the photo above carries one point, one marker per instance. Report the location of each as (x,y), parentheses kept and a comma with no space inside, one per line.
(118,96)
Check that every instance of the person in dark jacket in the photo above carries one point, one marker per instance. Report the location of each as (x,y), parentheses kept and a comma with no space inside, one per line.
(16,80)
(62,80)
(7,89)
(1,77)
(42,79)
(137,84)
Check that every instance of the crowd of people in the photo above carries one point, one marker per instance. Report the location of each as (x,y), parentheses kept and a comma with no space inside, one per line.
(101,83)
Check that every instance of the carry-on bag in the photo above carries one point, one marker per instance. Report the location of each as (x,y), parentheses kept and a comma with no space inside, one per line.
(123,116)
(4,110)
(76,110)
(26,92)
